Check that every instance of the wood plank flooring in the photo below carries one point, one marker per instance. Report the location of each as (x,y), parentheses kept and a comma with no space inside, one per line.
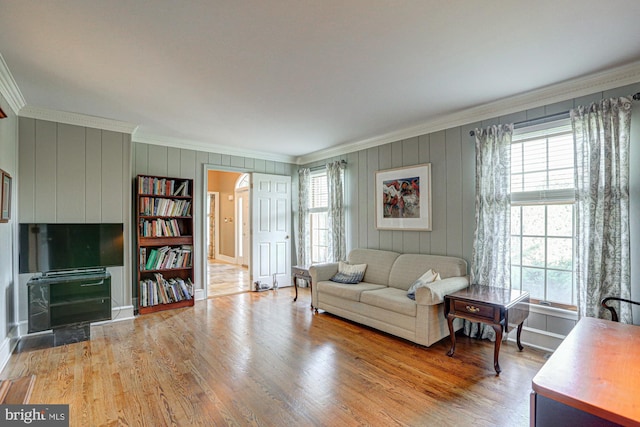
(260,359)
(226,279)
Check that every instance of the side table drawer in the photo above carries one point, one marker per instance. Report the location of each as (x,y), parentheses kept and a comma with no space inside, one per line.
(474,309)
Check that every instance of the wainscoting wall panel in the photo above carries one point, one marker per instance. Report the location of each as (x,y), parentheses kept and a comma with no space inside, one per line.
(185,163)
(74,174)
(451,153)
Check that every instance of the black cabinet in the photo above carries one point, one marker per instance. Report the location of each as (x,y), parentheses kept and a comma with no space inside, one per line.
(69,300)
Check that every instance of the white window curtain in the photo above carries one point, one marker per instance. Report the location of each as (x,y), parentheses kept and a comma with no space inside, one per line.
(336,221)
(303,240)
(601,136)
(491,262)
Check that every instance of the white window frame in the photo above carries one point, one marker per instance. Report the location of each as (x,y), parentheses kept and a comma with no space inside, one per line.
(313,211)
(543,197)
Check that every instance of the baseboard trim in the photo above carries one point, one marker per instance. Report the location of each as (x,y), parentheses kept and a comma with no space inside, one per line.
(7,347)
(119,314)
(225,258)
(199,295)
(536,338)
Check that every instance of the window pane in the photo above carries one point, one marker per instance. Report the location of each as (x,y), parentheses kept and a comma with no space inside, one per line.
(515,220)
(533,281)
(319,236)
(561,178)
(534,181)
(516,158)
(561,152)
(560,253)
(516,182)
(533,220)
(560,220)
(535,155)
(515,250)
(319,191)
(542,234)
(533,251)
(516,276)
(559,286)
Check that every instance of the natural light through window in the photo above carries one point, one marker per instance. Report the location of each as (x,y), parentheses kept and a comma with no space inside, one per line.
(542,213)
(318,220)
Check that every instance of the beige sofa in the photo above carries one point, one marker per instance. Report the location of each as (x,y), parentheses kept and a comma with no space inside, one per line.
(380,299)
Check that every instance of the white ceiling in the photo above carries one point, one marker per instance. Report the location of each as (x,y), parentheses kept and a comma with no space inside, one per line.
(293,77)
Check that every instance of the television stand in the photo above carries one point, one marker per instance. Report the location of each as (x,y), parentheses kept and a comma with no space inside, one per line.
(68,303)
(83,272)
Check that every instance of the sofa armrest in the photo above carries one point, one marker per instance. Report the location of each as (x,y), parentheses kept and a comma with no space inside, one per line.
(321,272)
(434,292)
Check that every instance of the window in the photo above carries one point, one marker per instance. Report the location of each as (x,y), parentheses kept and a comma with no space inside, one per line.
(318,217)
(542,213)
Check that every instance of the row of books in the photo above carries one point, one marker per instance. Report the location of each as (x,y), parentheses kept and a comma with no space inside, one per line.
(164,207)
(163,291)
(160,228)
(165,258)
(162,186)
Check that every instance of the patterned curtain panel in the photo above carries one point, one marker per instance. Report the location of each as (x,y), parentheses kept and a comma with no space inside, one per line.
(491,263)
(601,136)
(303,238)
(337,240)
(212,226)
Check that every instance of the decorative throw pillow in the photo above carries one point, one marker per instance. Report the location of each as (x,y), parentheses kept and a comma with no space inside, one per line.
(349,273)
(429,277)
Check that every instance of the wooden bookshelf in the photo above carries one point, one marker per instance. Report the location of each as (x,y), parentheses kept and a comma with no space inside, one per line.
(164,223)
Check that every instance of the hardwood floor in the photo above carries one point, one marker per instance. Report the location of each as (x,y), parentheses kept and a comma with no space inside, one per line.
(261,359)
(226,279)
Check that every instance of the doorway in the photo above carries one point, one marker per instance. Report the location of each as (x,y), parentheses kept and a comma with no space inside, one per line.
(253,229)
(226,209)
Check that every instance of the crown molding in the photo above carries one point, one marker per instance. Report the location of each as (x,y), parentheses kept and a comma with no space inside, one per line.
(9,89)
(76,119)
(147,138)
(569,89)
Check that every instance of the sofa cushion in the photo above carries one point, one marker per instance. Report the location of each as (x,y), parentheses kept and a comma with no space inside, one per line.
(349,273)
(390,299)
(351,292)
(378,262)
(407,268)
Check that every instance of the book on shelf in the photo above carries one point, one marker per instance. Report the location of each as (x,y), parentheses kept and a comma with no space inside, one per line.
(163,186)
(164,291)
(166,258)
(154,206)
(160,228)
(182,190)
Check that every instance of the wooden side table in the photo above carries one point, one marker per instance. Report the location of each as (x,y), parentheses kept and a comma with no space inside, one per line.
(301,272)
(501,308)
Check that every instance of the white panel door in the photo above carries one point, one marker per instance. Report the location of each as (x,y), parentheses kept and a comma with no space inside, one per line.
(271,229)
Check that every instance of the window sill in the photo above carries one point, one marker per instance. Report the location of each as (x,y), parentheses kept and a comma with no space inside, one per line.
(553,311)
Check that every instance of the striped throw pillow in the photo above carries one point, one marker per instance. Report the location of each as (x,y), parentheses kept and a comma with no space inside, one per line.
(349,273)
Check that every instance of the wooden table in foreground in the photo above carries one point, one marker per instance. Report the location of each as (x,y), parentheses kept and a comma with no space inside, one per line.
(592,379)
(501,308)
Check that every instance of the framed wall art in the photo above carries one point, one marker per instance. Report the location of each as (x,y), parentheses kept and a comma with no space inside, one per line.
(403,198)
(5,199)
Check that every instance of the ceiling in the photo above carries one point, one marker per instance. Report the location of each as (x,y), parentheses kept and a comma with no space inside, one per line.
(293,77)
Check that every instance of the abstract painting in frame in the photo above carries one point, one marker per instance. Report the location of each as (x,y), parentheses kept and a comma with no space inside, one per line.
(5,200)
(403,198)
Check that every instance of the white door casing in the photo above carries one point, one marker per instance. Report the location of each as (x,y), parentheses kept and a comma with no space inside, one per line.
(271,229)
(243,230)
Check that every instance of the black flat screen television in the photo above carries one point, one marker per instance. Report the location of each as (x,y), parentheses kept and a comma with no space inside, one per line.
(55,247)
